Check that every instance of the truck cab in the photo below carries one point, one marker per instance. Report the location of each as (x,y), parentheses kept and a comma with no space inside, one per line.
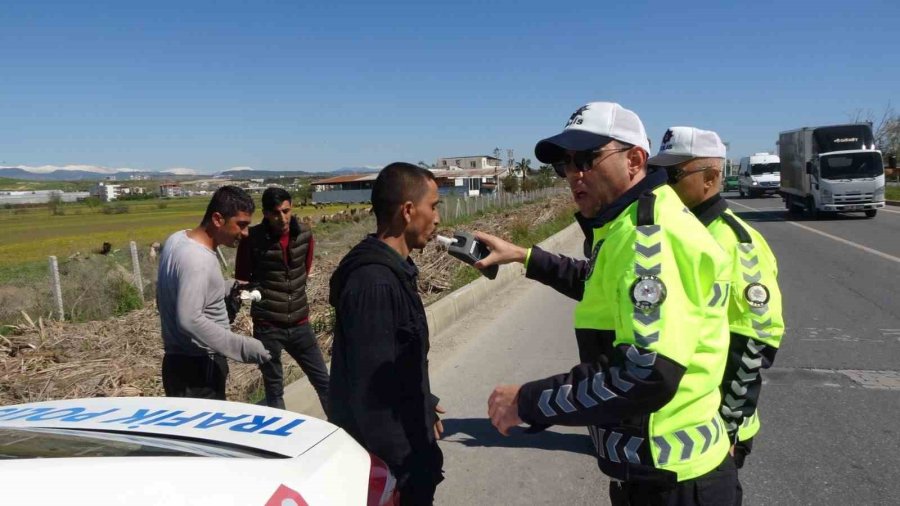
(831,169)
(759,174)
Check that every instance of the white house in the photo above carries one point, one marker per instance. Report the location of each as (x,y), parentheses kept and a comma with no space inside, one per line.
(106,192)
(477,162)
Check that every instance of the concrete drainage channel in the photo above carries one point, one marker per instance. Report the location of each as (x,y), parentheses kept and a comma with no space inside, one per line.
(299,395)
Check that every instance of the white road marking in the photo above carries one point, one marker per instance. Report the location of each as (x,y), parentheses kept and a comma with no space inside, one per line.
(886,210)
(833,237)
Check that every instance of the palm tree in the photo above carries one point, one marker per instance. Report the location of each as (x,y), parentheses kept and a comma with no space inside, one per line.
(524,165)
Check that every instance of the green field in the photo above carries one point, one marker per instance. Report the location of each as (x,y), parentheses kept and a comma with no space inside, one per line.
(31,234)
(892,193)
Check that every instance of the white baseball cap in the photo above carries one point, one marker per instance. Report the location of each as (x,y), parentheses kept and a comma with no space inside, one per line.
(592,126)
(681,143)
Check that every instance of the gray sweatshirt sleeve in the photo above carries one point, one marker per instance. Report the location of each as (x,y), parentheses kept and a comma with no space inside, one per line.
(193,292)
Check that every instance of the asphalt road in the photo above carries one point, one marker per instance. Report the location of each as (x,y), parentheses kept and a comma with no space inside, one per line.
(830,405)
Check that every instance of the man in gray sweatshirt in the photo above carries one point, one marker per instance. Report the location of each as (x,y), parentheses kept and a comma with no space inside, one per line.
(190,295)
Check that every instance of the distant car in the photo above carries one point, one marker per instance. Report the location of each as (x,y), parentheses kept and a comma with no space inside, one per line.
(731,183)
(159,450)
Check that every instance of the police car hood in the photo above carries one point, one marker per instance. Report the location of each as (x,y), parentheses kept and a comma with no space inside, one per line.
(259,428)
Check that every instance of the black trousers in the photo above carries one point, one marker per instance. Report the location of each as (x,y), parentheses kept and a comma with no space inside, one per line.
(715,488)
(300,343)
(741,450)
(420,482)
(200,377)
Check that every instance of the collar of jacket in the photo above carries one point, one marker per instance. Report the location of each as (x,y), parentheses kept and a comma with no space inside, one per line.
(710,209)
(653,180)
(293,230)
(371,250)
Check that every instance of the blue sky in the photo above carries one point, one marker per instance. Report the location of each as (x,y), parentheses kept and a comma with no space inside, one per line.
(313,85)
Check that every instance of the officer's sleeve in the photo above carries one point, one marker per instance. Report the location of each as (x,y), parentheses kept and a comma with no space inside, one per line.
(655,341)
(563,274)
(756,326)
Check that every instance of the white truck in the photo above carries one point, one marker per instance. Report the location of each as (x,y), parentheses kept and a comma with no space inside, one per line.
(759,174)
(831,169)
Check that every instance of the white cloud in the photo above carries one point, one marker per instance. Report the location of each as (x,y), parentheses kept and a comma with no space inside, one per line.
(238,168)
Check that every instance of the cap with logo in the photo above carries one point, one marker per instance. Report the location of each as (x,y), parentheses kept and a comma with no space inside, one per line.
(681,143)
(592,126)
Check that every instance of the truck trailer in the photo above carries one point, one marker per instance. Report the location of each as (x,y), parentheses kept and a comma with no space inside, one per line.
(831,169)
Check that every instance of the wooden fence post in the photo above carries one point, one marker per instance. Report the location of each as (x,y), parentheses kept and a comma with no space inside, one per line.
(57,289)
(136,270)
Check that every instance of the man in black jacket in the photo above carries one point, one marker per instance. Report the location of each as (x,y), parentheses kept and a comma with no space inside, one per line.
(276,258)
(380,391)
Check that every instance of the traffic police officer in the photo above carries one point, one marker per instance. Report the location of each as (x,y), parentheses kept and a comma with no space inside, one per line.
(693,159)
(651,323)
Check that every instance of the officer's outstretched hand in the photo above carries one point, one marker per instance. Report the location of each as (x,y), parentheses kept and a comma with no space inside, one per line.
(502,252)
(503,407)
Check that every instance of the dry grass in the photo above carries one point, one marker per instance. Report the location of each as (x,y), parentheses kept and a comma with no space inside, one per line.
(41,360)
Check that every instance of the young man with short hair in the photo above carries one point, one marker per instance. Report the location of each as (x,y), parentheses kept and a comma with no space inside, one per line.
(190,295)
(276,259)
(380,391)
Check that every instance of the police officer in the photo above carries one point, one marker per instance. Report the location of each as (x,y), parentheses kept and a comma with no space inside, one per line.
(651,321)
(693,159)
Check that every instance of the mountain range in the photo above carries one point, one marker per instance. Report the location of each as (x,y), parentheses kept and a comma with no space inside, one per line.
(91,173)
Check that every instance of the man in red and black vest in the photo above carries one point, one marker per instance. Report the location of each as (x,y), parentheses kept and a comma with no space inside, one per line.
(276,258)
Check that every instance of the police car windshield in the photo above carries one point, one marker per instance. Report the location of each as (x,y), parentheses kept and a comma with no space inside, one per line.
(850,166)
(764,168)
(16,443)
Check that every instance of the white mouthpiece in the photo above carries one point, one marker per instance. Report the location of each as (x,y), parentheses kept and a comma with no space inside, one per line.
(445,241)
(254,296)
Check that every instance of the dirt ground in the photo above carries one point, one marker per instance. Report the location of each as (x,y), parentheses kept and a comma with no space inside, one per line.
(42,360)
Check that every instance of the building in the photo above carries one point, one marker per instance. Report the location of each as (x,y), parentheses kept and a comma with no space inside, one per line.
(358,187)
(467,162)
(106,192)
(171,190)
(343,189)
(132,190)
(16,197)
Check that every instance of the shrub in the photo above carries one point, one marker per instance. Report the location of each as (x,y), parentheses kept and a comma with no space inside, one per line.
(510,184)
(118,208)
(124,296)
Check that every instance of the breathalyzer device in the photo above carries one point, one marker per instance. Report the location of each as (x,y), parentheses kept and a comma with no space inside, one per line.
(465,247)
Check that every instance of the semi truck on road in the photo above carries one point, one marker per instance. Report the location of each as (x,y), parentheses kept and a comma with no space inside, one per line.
(831,169)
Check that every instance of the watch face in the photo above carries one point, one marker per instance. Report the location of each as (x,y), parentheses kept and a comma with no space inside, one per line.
(756,294)
(648,292)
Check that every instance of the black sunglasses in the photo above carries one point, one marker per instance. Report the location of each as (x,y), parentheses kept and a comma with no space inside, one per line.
(676,173)
(581,160)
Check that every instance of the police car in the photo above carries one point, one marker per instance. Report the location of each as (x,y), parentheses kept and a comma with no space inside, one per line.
(151,450)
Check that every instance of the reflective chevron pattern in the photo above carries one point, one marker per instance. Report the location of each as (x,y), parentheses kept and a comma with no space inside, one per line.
(720,294)
(647,262)
(735,394)
(687,443)
(600,387)
(734,400)
(616,446)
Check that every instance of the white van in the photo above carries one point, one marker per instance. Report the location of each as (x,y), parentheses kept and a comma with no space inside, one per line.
(759,174)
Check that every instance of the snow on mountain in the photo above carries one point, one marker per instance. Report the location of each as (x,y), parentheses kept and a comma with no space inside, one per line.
(180,171)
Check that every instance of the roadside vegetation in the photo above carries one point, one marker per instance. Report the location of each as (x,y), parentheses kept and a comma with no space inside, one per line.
(119,354)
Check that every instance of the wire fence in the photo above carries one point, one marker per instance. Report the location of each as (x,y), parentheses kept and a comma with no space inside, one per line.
(84,287)
(454,208)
